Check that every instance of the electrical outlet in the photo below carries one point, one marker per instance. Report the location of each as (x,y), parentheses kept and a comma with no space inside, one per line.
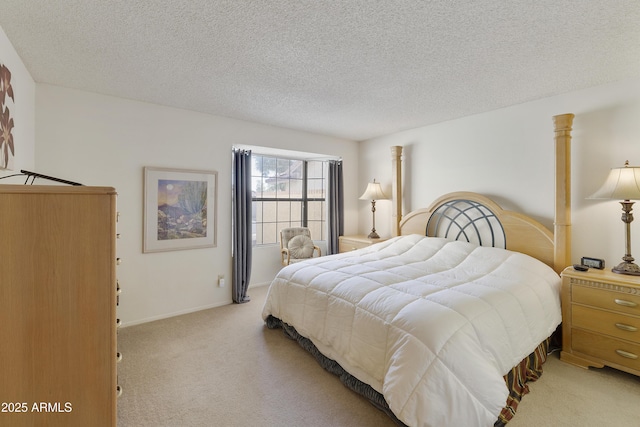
(221,280)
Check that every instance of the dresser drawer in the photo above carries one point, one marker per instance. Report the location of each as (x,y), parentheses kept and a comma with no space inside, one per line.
(608,349)
(351,245)
(610,300)
(606,322)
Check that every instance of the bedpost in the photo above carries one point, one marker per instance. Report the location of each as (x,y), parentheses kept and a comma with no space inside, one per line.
(396,189)
(562,223)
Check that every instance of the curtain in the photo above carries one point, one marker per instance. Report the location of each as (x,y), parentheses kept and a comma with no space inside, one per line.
(336,206)
(241,225)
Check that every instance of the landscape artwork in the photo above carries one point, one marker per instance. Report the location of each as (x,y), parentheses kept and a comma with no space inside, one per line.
(179,209)
(182,209)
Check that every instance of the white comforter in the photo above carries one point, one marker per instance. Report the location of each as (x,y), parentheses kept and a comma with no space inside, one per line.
(432,324)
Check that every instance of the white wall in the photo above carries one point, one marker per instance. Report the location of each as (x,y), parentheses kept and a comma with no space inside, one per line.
(22,111)
(106,141)
(508,154)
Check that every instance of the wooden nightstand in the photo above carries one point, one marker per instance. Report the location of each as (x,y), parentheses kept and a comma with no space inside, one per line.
(601,319)
(351,243)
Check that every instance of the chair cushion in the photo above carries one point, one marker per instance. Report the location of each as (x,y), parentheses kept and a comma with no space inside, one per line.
(300,247)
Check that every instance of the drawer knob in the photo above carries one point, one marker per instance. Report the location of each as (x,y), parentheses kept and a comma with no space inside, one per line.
(627,354)
(625,303)
(624,327)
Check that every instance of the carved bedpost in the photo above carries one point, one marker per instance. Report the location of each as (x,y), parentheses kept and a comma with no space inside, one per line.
(396,189)
(562,224)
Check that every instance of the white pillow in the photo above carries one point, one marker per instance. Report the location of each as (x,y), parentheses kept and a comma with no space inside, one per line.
(300,247)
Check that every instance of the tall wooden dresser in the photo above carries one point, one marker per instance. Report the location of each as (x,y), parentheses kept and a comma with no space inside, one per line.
(57,306)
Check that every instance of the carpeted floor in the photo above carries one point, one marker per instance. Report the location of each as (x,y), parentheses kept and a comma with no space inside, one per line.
(222,367)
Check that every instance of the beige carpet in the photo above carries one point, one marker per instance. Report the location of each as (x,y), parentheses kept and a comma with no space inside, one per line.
(222,367)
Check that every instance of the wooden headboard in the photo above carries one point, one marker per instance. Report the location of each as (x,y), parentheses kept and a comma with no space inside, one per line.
(522,234)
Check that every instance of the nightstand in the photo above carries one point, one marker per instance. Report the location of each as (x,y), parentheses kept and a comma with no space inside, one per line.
(601,319)
(351,243)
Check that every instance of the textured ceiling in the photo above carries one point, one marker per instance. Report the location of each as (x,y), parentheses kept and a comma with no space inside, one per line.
(352,68)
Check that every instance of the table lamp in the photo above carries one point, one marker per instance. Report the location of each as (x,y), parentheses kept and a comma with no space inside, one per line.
(373,192)
(623,184)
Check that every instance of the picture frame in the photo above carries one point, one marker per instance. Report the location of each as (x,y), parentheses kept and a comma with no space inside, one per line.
(179,209)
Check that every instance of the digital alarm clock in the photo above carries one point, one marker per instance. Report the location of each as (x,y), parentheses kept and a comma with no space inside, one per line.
(592,262)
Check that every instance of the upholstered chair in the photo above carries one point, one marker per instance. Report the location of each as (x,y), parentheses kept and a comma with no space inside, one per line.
(296,245)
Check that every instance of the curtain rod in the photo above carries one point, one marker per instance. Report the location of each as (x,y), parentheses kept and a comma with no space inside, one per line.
(288,154)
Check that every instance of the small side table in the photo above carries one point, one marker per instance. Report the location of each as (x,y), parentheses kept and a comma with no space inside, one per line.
(601,319)
(351,243)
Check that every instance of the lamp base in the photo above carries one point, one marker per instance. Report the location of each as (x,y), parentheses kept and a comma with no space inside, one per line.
(373,235)
(627,267)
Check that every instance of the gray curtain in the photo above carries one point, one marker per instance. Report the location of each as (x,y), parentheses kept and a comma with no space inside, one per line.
(241,225)
(335,206)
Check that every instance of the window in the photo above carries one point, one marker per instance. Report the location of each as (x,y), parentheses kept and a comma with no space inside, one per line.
(287,193)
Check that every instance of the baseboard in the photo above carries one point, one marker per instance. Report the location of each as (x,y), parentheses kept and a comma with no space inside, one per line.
(258,285)
(174,314)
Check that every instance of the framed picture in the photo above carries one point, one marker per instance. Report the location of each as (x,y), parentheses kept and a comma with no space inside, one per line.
(179,209)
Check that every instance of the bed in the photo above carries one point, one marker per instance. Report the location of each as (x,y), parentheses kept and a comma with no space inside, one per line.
(445,323)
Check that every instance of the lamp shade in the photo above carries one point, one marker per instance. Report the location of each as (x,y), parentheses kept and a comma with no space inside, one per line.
(373,192)
(621,184)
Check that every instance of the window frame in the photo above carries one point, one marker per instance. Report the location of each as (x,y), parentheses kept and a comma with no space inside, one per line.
(304,200)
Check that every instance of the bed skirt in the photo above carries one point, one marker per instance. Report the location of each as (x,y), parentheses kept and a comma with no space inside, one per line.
(529,369)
